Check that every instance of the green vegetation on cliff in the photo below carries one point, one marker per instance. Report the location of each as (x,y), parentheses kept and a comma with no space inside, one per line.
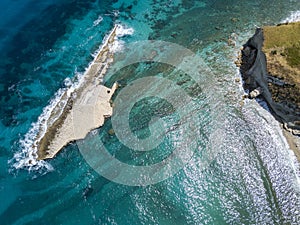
(284,39)
(293,55)
(282,49)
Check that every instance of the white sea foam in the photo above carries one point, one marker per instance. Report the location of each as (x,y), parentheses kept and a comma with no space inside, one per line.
(294,17)
(68,82)
(114,13)
(121,31)
(26,157)
(97,21)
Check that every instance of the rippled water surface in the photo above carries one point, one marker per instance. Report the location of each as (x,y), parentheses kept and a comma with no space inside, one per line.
(241,170)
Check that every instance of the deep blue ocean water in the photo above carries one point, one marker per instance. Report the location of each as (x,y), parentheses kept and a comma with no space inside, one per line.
(252,180)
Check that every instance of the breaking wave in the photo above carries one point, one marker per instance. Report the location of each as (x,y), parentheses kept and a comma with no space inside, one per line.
(294,17)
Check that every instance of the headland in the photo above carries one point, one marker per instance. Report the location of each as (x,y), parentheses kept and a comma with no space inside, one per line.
(270,68)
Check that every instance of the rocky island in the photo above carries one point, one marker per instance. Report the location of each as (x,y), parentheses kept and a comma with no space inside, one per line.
(270,68)
(80,108)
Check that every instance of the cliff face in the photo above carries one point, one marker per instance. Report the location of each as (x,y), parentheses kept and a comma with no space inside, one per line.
(282,49)
(270,70)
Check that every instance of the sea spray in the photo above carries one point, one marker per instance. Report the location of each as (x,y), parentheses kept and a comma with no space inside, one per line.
(120,32)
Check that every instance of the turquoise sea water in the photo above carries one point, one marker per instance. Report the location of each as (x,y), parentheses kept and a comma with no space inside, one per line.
(251,180)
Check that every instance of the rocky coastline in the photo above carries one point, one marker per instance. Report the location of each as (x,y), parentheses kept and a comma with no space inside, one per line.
(270,68)
(81,110)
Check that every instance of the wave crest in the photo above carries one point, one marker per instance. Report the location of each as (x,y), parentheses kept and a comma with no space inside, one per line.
(294,17)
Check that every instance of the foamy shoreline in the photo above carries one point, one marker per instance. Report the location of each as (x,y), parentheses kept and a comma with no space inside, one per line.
(294,17)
